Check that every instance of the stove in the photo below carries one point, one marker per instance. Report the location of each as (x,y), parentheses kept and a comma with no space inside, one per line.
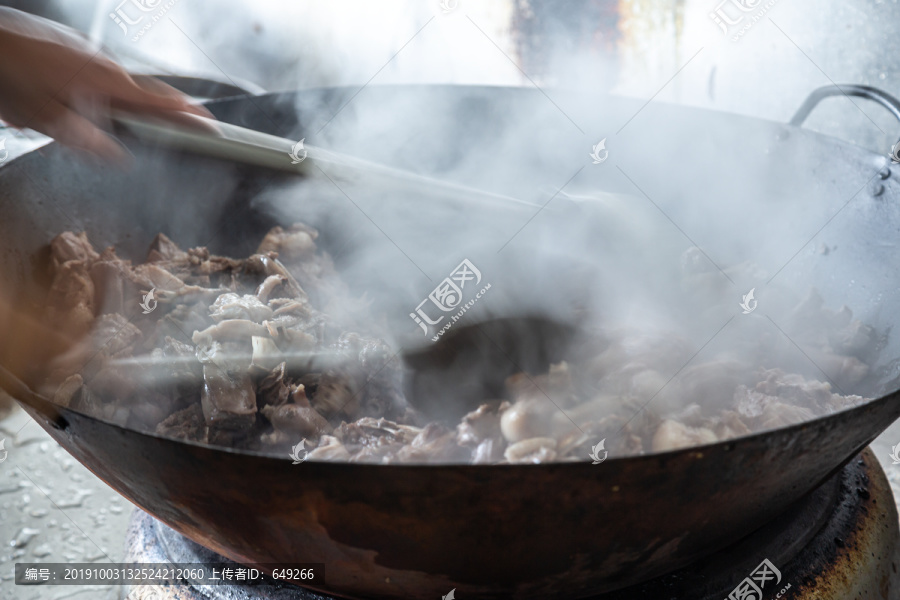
(841,541)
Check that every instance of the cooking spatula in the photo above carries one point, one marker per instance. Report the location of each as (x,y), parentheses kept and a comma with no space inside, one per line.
(232,142)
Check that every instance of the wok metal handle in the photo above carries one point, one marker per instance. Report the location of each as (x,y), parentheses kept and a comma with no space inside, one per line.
(863,91)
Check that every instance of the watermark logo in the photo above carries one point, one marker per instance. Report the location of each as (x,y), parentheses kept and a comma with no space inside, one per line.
(895,153)
(299,453)
(447,6)
(4,153)
(739,16)
(134,12)
(595,452)
(149,303)
(450,596)
(597,149)
(894,453)
(748,303)
(298,153)
(3,452)
(751,587)
(448,296)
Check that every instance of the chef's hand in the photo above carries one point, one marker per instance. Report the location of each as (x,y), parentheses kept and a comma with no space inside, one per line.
(52,80)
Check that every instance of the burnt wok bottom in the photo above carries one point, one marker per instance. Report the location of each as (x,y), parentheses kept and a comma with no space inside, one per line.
(840,541)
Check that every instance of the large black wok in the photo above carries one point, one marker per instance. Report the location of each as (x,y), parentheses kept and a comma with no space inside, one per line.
(549,531)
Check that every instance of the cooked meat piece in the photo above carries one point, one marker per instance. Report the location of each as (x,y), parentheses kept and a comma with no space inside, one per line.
(488,452)
(533,450)
(164,249)
(729,425)
(183,366)
(435,443)
(838,402)
(115,381)
(160,278)
(113,334)
(330,448)
(294,244)
(71,246)
(296,307)
(314,271)
(266,354)
(268,286)
(178,323)
(750,404)
(334,394)
(89,403)
(793,387)
(846,371)
(188,424)
(67,391)
(369,432)
(382,454)
(234,329)
(232,306)
(620,433)
(367,382)
(265,265)
(816,397)
(273,390)
(672,435)
(528,418)
(481,424)
(777,414)
(228,400)
(189,294)
(70,302)
(110,287)
(118,286)
(297,421)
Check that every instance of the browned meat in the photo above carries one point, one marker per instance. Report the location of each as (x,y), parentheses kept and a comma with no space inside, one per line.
(114,335)
(532,450)
(330,448)
(70,302)
(188,424)
(231,306)
(234,329)
(266,266)
(276,350)
(297,421)
(67,391)
(268,287)
(71,246)
(228,400)
(672,435)
(482,424)
(435,443)
(163,249)
(373,434)
(297,243)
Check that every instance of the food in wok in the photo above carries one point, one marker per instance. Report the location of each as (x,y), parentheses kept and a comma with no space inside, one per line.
(272,353)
